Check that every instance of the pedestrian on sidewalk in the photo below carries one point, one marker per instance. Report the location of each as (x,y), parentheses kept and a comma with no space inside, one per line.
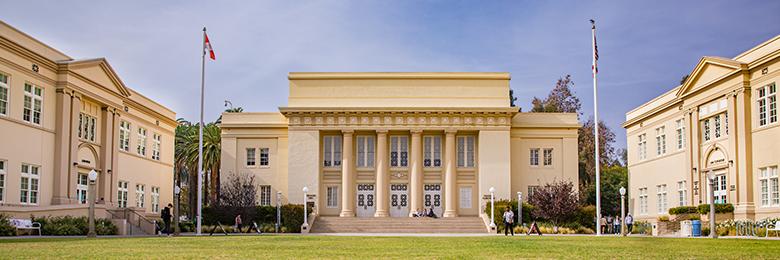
(629,223)
(509,220)
(238,223)
(166,217)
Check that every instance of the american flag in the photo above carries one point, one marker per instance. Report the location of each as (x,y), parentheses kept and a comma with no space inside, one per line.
(595,67)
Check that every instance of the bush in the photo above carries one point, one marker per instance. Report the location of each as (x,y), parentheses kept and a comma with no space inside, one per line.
(500,207)
(704,209)
(663,218)
(586,217)
(6,229)
(641,227)
(292,216)
(186,226)
(683,210)
(73,226)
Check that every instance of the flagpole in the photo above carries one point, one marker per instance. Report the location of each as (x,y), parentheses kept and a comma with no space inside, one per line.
(200,132)
(596,134)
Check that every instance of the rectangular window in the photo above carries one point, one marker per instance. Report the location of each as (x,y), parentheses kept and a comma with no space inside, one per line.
(265,156)
(660,140)
(767,105)
(139,195)
(548,154)
(33,103)
(720,189)
(121,195)
(29,184)
(706,129)
(124,136)
(770,192)
(682,192)
(680,134)
(332,197)
(643,201)
(2,181)
(466,151)
(155,199)
(661,196)
(726,122)
(81,188)
(642,146)
(465,197)
(399,151)
(250,156)
(717,126)
(265,195)
(331,151)
(3,95)
(87,124)
(432,151)
(141,147)
(365,151)
(534,156)
(532,190)
(156,143)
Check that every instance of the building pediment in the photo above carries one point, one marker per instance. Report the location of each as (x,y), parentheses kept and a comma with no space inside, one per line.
(709,70)
(99,72)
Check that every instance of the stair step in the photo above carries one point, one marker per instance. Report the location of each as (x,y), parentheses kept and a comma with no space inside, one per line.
(398,225)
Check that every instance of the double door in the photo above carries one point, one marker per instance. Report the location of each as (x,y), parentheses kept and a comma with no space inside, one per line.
(365,200)
(399,200)
(432,198)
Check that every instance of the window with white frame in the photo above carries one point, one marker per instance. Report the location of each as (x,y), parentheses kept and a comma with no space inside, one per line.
(29,184)
(432,151)
(265,195)
(124,136)
(660,140)
(465,197)
(3,95)
(534,156)
(87,126)
(767,104)
(141,147)
(720,189)
(331,151)
(466,151)
(140,192)
(155,199)
(770,195)
(642,146)
(250,157)
(121,194)
(706,129)
(532,190)
(265,156)
(682,192)
(643,201)
(81,188)
(332,197)
(156,143)
(680,133)
(548,154)
(399,151)
(33,103)
(716,120)
(365,151)
(661,196)
(2,180)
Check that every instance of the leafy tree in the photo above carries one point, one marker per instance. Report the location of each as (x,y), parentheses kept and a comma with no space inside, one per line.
(612,178)
(556,202)
(240,191)
(560,100)
(587,146)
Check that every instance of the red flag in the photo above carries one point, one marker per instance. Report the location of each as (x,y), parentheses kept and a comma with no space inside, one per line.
(207,46)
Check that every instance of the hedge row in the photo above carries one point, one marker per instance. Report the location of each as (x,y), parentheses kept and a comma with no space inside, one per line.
(291,214)
(702,209)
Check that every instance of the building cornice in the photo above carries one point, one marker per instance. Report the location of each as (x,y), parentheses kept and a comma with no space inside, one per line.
(399,75)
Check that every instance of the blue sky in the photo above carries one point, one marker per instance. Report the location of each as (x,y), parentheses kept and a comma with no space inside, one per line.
(645,47)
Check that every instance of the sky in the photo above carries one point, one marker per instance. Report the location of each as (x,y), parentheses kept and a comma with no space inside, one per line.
(645,47)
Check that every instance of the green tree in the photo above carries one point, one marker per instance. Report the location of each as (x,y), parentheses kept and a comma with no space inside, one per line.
(186,159)
(612,178)
(587,147)
(560,100)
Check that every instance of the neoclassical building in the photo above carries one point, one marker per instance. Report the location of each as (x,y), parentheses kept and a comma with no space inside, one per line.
(60,118)
(721,122)
(386,144)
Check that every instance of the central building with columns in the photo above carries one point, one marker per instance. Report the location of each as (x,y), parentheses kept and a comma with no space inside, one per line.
(387,144)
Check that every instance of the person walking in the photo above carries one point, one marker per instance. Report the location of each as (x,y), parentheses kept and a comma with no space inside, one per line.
(238,223)
(509,220)
(609,225)
(603,224)
(629,223)
(616,225)
(166,217)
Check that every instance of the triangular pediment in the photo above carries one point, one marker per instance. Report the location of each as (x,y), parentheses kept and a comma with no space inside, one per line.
(708,71)
(100,72)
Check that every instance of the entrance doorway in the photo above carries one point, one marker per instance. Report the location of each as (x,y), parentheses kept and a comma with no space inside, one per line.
(720,188)
(432,198)
(399,200)
(365,200)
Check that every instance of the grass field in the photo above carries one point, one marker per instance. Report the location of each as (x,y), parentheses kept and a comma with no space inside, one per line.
(388,247)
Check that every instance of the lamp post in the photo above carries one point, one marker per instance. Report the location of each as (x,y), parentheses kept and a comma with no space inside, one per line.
(713,232)
(92,178)
(278,211)
(305,212)
(177,193)
(519,208)
(492,208)
(623,211)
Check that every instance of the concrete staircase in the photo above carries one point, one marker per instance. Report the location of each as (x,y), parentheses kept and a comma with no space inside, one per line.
(398,225)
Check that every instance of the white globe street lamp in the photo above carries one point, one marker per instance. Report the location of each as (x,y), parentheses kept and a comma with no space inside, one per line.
(519,208)
(305,212)
(492,208)
(177,192)
(713,179)
(623,210)
(92,179)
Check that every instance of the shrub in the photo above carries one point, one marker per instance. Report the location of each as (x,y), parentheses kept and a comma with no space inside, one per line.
(73,226)
(6,229)
(683,210)
(186,226)
(586,217)
(663,218)
(641,227)
(704,209)
(292,218)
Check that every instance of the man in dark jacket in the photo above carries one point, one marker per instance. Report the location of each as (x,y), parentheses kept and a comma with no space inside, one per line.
(166,216)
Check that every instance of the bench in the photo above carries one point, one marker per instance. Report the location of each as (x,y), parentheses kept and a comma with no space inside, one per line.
(26,224)
(775,228)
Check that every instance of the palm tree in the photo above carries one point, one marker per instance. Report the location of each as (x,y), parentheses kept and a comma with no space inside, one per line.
(186,160)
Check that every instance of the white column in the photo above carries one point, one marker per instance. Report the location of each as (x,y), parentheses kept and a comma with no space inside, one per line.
(347,178)
(417,173)
(450,175)
(382,177)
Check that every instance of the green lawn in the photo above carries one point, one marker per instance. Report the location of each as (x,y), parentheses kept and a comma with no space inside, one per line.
(388,247)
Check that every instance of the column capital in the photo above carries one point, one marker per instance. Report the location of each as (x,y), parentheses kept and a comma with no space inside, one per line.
(382,131)
(416,131)
(347,131)
(450,131)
